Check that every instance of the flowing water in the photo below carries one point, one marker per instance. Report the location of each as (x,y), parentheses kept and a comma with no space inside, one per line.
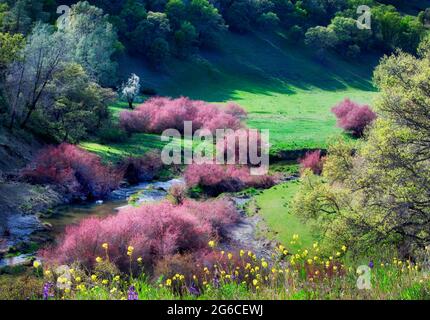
(21,227)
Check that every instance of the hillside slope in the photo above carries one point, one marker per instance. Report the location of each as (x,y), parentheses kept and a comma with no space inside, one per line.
(282,86)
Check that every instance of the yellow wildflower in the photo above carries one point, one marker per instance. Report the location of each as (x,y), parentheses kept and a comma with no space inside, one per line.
(139,259)
(105,281)
(255,282)
(344,248)
(230,256)
(94,277)
(168,282)
(264,264)
(36,264)
(211,244)
(98,259)
(105,246)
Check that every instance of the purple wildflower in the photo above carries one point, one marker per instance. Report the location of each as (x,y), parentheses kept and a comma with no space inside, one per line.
(47,290)
(132,294)
(194,290)
(371,264)
(216,282)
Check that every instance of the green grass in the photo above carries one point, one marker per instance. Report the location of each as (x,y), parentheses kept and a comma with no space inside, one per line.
(273,206)
(280,84)
(136,145)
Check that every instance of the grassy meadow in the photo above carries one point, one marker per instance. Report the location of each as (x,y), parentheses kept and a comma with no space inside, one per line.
(273,206)
(279,83)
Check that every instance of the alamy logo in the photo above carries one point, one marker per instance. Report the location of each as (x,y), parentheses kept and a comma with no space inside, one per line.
(364,21)
(244,146)
(64,12)
(364,279)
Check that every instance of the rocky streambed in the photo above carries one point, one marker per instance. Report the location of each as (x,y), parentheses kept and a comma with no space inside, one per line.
(25,230)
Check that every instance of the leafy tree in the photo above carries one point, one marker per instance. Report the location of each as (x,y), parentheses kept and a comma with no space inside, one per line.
(21,15)
(348,34)
(77,105)
(185,39)
(27,78)
(10,46)
(377,192)
(321,38)
(94,41)
(131,89)
(176,12)
(149,37)
(268,20)
(241,15)
(207,21)
(396,31)
(131,14)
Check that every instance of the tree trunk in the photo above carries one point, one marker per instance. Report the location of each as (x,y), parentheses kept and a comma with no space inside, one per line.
(27,117)
(12,120)
(130,104)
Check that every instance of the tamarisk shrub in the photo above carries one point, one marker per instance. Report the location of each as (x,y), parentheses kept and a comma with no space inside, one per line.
(216,179)
(154,230)
(178,193)
(313,161)
(353,117)
(143,168)
(160,113)
(78,172)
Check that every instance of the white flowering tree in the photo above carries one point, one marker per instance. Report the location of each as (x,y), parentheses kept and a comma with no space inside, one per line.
(130,90)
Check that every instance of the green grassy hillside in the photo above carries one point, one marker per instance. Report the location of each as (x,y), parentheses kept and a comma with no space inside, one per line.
(279,83)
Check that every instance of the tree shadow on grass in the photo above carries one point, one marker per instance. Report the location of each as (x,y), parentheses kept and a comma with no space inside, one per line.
(255,64)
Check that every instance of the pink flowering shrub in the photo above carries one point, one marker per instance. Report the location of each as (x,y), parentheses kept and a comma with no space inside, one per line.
(240,141)
(215,179)
(353,117)
(159,114)
(143,168)
(78,172)
(235,110)
(153,230)
(313,161)
(178,193)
